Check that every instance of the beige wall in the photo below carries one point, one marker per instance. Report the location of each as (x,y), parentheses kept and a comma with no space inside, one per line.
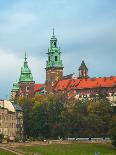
(7,123)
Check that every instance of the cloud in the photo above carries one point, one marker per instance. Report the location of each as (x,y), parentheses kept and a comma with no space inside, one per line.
(16,21)
(9,64)
(21,20)
(85,30)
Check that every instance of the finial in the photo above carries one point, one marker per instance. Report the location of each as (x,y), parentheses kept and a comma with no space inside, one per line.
(25,56)
(53,31)
(82,62)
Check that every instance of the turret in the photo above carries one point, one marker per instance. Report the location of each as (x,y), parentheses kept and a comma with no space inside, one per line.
(83,70)
(14,91)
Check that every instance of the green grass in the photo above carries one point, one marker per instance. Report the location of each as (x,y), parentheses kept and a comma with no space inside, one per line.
(69,149)
(3,152)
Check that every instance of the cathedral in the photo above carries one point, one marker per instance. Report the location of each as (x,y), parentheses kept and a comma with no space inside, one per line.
(74,86)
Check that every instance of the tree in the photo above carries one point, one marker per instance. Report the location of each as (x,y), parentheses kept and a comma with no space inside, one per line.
(102,113)
(54,115)
(28,123)
(113,131)
(56,105)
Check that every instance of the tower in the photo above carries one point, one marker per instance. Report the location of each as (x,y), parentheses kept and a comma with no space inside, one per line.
(26,83)
(14,91)
(54,66)
(83,70)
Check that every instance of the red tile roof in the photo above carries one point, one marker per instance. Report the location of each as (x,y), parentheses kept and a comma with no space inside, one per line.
(86,83)
(97,82)
(74,83)
(62,85)
(70,84)
(37,87)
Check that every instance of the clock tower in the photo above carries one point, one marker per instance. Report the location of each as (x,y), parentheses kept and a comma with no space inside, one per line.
(54,66)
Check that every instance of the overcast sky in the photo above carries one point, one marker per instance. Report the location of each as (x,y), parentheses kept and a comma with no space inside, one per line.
(85,29)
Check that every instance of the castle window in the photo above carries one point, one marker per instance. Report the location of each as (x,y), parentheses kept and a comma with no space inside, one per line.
(54,44)
(27,89)
(49,58)
(56,58)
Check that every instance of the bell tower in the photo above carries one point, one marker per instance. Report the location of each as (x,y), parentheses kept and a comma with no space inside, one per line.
(54,66)
(83,70)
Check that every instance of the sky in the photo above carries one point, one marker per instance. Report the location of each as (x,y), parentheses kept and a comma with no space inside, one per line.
(85,29)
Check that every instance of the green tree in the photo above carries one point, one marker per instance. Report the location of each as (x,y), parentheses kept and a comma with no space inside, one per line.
(56,105)
(113,131)
(102,113)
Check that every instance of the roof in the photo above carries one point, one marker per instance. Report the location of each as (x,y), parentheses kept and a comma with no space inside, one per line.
(69,76)
(15,86)
(86,83)
(7,105)
(26,75)
(62,85)
(38,87)
(17,107)
(97,82)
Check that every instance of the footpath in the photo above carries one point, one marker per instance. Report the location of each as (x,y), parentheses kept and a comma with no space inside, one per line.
(10,150)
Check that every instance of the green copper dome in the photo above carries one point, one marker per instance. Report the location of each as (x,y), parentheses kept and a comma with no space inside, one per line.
(26,75)
(54,60)
(15,86)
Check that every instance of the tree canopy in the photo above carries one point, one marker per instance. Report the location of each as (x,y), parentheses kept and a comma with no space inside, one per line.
(54,115)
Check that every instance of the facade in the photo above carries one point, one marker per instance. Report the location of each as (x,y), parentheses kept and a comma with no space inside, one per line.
(8,119)
(88,87)
(19,120)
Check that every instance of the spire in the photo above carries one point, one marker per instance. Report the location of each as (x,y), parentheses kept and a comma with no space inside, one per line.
(54,54)
(25,61)
(53,40)
(26,74)
(25,57)
(53,31)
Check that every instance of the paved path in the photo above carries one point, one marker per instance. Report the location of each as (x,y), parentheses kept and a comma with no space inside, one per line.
(10,150)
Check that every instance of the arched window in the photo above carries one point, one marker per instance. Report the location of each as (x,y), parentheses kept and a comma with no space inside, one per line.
(54,44)
(56,58)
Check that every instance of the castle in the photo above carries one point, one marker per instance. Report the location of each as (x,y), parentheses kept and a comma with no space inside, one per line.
(78,87)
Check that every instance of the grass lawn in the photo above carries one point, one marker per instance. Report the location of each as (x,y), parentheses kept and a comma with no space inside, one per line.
(69,149)
(3,152)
